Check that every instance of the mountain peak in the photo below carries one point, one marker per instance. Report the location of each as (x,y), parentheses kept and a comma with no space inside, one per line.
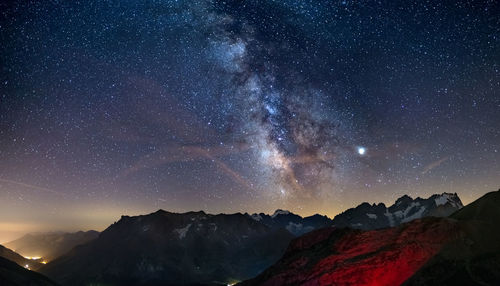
(451,198)
(405,209)
(404,199)
(257,217)
(280,212)
(485,208)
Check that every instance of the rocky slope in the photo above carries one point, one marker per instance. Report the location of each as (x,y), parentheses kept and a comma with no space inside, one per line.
(11,274)
(460,250)
(17,258)
(50,245)
(166,248)
(354,257)
(405,209)
(472,258)
(366,216)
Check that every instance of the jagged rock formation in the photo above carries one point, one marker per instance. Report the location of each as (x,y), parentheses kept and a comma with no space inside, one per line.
(405,209)
(295,224)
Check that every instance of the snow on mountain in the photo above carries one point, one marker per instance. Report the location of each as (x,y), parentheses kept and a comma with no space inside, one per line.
(294,223)
(390,217)
(418,214)
(280,212)
(182,231)
(405,209)
(448,198)
(256,217)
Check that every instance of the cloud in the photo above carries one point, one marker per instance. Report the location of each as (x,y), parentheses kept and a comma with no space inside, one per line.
(32,187)
(434,164)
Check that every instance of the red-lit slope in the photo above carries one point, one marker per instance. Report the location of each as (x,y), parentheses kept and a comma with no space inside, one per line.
(353,257)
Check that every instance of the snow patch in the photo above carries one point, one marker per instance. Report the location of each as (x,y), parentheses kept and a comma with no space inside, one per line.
(409,208)
(294,227)
(214,226)
(448,198)
(372,216)
(398,214)
(280,212)
(182,231)
(389,217)
(443,199)
(256,217)
(416,215)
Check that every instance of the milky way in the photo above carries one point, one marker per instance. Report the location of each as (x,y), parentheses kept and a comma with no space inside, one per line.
(289,128)
(120,107)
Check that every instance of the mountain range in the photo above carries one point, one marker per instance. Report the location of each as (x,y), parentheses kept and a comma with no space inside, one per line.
(461,249)
(169,248)
(295,224)
(51,244)
(196,248)
(405,209)
(366,216)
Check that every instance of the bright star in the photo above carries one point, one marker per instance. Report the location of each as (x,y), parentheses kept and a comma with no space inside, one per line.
(361,150)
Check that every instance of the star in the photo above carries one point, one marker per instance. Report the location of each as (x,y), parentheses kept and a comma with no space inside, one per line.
(217,106)
(361,151)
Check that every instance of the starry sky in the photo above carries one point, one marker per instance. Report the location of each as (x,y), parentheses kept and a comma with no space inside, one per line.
(125,107)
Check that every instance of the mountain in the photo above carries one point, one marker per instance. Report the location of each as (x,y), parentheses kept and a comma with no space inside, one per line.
(295,224)
(366,216)
(405,209)
(462,249)
(50,245)
(484,209)
(21,261)
(345,256)
(473,258)
(11,274)
(166,248)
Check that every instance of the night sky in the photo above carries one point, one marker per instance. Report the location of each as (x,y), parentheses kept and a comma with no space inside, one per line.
(125,107)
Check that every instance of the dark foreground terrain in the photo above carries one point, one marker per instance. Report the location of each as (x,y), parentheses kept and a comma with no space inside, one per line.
(11,274)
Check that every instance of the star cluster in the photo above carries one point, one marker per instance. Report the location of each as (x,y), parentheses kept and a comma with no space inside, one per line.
(113,107)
